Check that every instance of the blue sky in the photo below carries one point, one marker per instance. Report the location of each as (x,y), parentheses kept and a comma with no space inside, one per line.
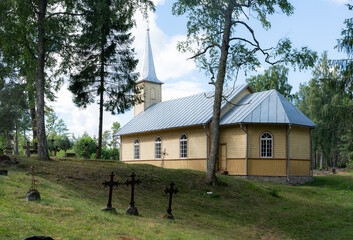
(315,23)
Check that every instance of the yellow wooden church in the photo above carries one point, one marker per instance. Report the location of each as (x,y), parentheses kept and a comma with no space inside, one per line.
(263,135)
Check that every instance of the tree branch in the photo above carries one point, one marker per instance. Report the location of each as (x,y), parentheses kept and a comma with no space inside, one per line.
(205,50)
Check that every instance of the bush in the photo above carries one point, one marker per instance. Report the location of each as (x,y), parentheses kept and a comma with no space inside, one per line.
(80,146)
(110,154)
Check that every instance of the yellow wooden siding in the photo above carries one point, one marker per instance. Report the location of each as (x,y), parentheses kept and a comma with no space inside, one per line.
(145,93)
(235,139)
(279,134)
(267,167)
(234,101)
(299,168)
(299,143)
(170,141)
(236,166)
(194,164)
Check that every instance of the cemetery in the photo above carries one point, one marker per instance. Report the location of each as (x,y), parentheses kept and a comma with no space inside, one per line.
(238,125)
(72,196)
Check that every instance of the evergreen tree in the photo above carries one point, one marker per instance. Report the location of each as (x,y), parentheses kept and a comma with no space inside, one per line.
(104,58)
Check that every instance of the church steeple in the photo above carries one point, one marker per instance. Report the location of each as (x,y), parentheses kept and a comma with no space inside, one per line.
(149,85)
(148,72)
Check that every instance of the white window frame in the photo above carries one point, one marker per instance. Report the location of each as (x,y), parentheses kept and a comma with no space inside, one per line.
(183,146)
(158,147)
(266,145)
(137,149)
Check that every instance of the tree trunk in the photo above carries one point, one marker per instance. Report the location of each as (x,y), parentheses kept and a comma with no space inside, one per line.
(101,94)
(34,127)
(211,169)
(321,158)
(16,141)
(41,138)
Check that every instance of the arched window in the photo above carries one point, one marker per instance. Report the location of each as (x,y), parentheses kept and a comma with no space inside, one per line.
(158,147)
(266,145)
(137,149)
(183,146)
(153,93)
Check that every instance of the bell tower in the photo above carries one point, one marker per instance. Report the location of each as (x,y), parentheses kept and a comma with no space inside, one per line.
(149,85)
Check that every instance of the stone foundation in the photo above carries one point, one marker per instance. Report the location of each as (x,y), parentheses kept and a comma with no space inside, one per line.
(276,179)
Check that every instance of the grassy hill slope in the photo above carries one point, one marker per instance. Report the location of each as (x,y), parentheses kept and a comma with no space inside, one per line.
(72,196)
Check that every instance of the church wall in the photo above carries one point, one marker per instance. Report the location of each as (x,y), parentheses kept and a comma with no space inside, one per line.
(196,148)
(140,107)
(279,134)
(300,151)
(235,100)
(235,140)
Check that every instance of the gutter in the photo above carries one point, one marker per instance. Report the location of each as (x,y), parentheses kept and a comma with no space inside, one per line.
(246,156)
(290,128)
(204,127)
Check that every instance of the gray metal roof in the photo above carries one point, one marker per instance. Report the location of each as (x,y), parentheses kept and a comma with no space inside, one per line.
(148,72)
(265,107)
(181,112)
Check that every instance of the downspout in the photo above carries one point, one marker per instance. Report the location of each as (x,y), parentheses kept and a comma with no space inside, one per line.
(312,152)
(289,129)
(246,155)
(204,127)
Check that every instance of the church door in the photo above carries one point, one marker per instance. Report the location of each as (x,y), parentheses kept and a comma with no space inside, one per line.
(222,157)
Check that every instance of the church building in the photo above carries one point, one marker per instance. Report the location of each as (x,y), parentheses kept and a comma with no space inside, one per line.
(262,134)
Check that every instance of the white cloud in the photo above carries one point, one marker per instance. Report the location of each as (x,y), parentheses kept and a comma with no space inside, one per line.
(181,89)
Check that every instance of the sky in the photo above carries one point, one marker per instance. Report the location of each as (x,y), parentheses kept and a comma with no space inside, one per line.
(315,23)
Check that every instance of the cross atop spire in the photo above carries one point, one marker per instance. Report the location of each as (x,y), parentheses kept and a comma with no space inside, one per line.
(148,72)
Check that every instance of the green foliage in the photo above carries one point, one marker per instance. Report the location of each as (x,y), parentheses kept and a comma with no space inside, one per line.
(54,125)
(115,129)
(274,191)
(326,101)
(80,146)
(63,142)
(276,77)
(207,22)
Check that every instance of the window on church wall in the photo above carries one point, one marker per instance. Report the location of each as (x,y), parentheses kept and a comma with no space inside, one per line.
(153,93)
(266,145)
(137,149)
(183,146)
(158,148)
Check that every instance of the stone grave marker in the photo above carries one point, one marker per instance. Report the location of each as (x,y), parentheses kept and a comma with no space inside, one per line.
(28,149)
(32,193)
(132,210)
(170,191)
(110,184)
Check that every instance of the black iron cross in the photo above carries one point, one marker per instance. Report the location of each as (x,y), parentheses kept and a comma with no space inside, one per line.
(171,191)
(110,184)
(132,182)
(28,149)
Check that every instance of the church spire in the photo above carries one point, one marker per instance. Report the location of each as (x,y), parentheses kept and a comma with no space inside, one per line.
(148,72)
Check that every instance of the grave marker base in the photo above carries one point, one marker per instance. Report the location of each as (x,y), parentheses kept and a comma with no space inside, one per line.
(32,195)
(169,216)
(110,209)
(132,211)
(3,172)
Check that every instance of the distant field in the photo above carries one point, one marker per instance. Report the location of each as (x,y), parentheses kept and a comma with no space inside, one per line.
(72,196)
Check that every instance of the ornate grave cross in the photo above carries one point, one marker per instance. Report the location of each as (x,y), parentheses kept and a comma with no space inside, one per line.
(164,153)
(28,149)
(52,145)
(56,149)
(110,184)
(32,193)
(33,186)
(132,210)
(171,191)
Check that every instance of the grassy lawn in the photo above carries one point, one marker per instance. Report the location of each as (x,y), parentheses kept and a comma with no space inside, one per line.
(72,196)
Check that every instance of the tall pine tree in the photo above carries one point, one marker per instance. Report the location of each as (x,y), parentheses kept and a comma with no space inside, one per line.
(104,58)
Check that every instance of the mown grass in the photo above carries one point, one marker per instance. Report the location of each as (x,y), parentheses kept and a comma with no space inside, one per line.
(72,196)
